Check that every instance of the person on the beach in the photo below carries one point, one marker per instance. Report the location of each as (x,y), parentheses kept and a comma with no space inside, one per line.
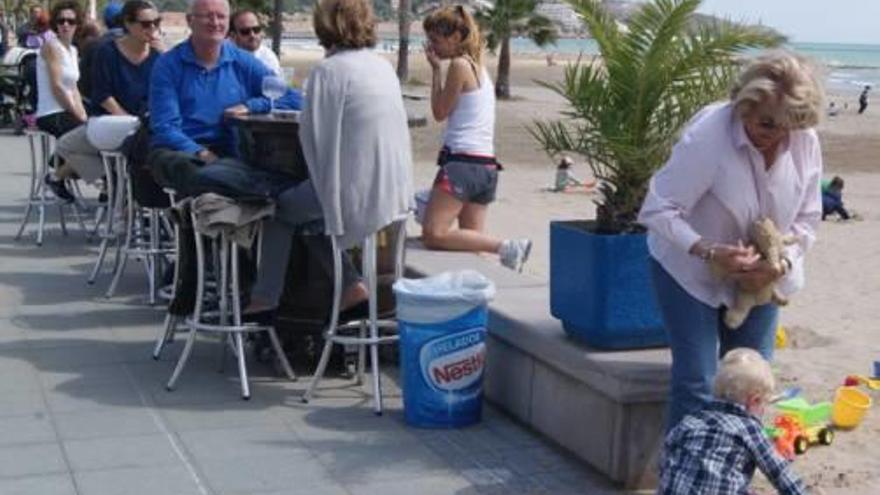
(863,100)
(468,174)
(833,109)
(716,450)
(755,156)
(565,180)
(832,199)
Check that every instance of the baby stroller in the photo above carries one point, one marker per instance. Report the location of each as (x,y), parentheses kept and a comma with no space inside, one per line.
(18,87)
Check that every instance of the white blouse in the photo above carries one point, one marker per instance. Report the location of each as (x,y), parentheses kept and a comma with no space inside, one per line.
(715,185)
(68,58)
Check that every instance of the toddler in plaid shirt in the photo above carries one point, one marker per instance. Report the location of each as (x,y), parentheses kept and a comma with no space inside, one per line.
(715,451)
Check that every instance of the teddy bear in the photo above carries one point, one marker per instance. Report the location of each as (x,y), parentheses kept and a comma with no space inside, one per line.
(770,244)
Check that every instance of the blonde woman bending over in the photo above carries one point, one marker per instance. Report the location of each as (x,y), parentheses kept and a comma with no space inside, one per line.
(468,175)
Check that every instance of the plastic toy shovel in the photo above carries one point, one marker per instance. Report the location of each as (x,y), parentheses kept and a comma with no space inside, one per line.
(855,380)
(789,393)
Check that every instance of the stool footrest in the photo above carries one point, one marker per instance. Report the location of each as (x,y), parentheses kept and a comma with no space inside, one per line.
(207,327)
(345,340)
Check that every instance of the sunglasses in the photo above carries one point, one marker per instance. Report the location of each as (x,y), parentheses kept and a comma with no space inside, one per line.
(149,23)
(249,30)
(70,21)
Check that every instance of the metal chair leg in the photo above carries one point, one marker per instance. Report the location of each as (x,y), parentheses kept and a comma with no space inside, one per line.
(279,352)
(242,367)
(334,322)
(165,335)
(32,194)
(369,257)
(61,220)
(197,313)
(102,253)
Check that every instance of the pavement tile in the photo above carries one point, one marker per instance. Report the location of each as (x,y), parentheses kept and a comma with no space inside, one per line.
(390,461)
(164,480)
(105,423)
(120,452)
(78,355)
(329,488)
(56,484)
(31,459)
(17,371)
(433,485)
(266,473)
(26,429)
(225,415)
(103,374)
(258,441)
(82,397)
(27,402)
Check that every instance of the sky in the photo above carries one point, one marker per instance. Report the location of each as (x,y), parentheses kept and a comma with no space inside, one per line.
(827,21)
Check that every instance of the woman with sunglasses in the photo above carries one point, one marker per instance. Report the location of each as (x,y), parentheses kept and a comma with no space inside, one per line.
(59,104)
(753,157)
(468,171)
(120,82)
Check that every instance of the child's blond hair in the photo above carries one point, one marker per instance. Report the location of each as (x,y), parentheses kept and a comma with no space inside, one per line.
(743,373)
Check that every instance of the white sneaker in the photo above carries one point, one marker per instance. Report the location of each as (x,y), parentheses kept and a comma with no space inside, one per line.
(515,252)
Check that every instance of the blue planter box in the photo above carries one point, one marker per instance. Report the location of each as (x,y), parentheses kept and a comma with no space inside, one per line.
(600,287)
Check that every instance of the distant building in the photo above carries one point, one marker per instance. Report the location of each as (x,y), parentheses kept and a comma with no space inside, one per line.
(562,15)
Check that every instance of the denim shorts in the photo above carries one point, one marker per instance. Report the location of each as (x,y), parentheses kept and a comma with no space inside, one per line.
(468,182)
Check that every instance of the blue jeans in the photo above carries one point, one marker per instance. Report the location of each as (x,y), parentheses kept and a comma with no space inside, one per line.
(698,336)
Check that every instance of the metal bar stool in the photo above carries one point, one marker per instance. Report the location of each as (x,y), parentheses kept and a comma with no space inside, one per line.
(112,218)
(228,292)
(41,146)
(371,331)
(143,234)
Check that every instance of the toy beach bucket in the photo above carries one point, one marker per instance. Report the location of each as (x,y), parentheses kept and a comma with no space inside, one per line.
(850,405)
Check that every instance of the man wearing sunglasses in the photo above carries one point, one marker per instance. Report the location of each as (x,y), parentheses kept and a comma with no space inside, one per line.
(247,32)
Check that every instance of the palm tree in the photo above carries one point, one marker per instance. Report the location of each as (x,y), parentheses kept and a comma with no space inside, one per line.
(403,19)
(624,113)
(509,18)
(277,25)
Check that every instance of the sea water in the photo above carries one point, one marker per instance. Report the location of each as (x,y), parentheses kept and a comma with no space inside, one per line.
(848,67)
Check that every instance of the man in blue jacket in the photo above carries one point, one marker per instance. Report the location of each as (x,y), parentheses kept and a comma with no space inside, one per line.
(194,86)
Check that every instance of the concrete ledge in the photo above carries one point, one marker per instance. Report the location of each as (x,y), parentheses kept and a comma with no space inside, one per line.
(605,407)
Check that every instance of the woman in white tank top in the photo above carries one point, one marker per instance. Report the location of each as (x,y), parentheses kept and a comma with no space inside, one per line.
(468,175)
(59,104)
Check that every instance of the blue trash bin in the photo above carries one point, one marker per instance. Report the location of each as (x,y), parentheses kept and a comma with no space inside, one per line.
(442,321)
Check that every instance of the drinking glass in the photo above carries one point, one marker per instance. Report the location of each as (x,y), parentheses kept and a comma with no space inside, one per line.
(274,87)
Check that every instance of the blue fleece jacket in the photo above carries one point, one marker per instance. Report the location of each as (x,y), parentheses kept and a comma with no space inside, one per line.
(187,100)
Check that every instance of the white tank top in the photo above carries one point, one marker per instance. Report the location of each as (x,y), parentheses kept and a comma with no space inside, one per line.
(46,102)
(471,125)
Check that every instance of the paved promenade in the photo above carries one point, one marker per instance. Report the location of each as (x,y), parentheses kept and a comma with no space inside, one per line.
(83,409)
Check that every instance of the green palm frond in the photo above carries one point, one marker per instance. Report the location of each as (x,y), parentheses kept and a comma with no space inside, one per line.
(626,107)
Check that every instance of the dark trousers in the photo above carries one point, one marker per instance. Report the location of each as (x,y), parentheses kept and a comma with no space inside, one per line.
(174,169)
(58,124)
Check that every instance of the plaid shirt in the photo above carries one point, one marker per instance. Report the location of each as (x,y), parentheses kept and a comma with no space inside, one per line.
(716,450)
